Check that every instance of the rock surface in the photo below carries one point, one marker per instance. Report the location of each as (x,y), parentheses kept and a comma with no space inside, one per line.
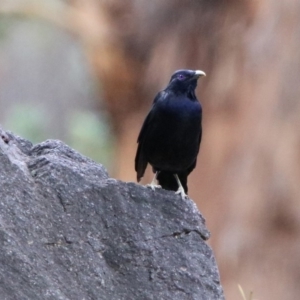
(68,231)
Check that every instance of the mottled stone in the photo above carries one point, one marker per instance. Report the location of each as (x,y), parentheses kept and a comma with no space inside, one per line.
(68,231)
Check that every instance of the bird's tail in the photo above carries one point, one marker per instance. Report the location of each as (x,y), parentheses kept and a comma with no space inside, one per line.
(168,181)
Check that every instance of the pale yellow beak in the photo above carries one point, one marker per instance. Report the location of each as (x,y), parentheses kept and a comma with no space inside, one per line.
(199,73)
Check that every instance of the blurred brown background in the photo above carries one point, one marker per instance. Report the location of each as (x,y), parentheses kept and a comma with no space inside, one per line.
(86,71)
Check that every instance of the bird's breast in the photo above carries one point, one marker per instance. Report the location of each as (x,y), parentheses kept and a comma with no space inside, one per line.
(179,115)
(173,139)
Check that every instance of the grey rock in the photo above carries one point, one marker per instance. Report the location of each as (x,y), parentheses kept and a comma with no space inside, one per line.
(68,231)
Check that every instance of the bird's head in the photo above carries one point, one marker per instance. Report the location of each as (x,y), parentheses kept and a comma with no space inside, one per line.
(185,81)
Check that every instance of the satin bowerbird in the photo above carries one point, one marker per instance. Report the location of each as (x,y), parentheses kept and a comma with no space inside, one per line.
(170,137)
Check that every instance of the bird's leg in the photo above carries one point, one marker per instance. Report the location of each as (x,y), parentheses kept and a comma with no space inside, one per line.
(153,185)
(180,188)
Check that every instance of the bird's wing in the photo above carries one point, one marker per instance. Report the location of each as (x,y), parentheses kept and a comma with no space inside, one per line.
(140,159)
(158,97)
(140,163)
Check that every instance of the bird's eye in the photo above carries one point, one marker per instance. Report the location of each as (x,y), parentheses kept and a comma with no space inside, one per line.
(181,77)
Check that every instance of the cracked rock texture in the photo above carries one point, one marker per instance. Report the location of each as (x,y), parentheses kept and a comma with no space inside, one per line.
(68,231)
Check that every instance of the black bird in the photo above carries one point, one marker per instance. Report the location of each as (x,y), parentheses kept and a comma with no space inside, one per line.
(171,134)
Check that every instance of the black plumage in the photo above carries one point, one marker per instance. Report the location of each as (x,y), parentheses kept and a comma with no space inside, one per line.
(171,134)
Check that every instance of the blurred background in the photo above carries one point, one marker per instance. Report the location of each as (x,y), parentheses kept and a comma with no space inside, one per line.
(86,72)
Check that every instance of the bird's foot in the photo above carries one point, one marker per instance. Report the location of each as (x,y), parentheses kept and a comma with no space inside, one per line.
(181,192)
(153,186)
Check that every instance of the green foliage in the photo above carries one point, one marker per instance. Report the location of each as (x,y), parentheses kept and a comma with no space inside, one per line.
(85,131)
(27,121)
(5,24)
(90,135)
